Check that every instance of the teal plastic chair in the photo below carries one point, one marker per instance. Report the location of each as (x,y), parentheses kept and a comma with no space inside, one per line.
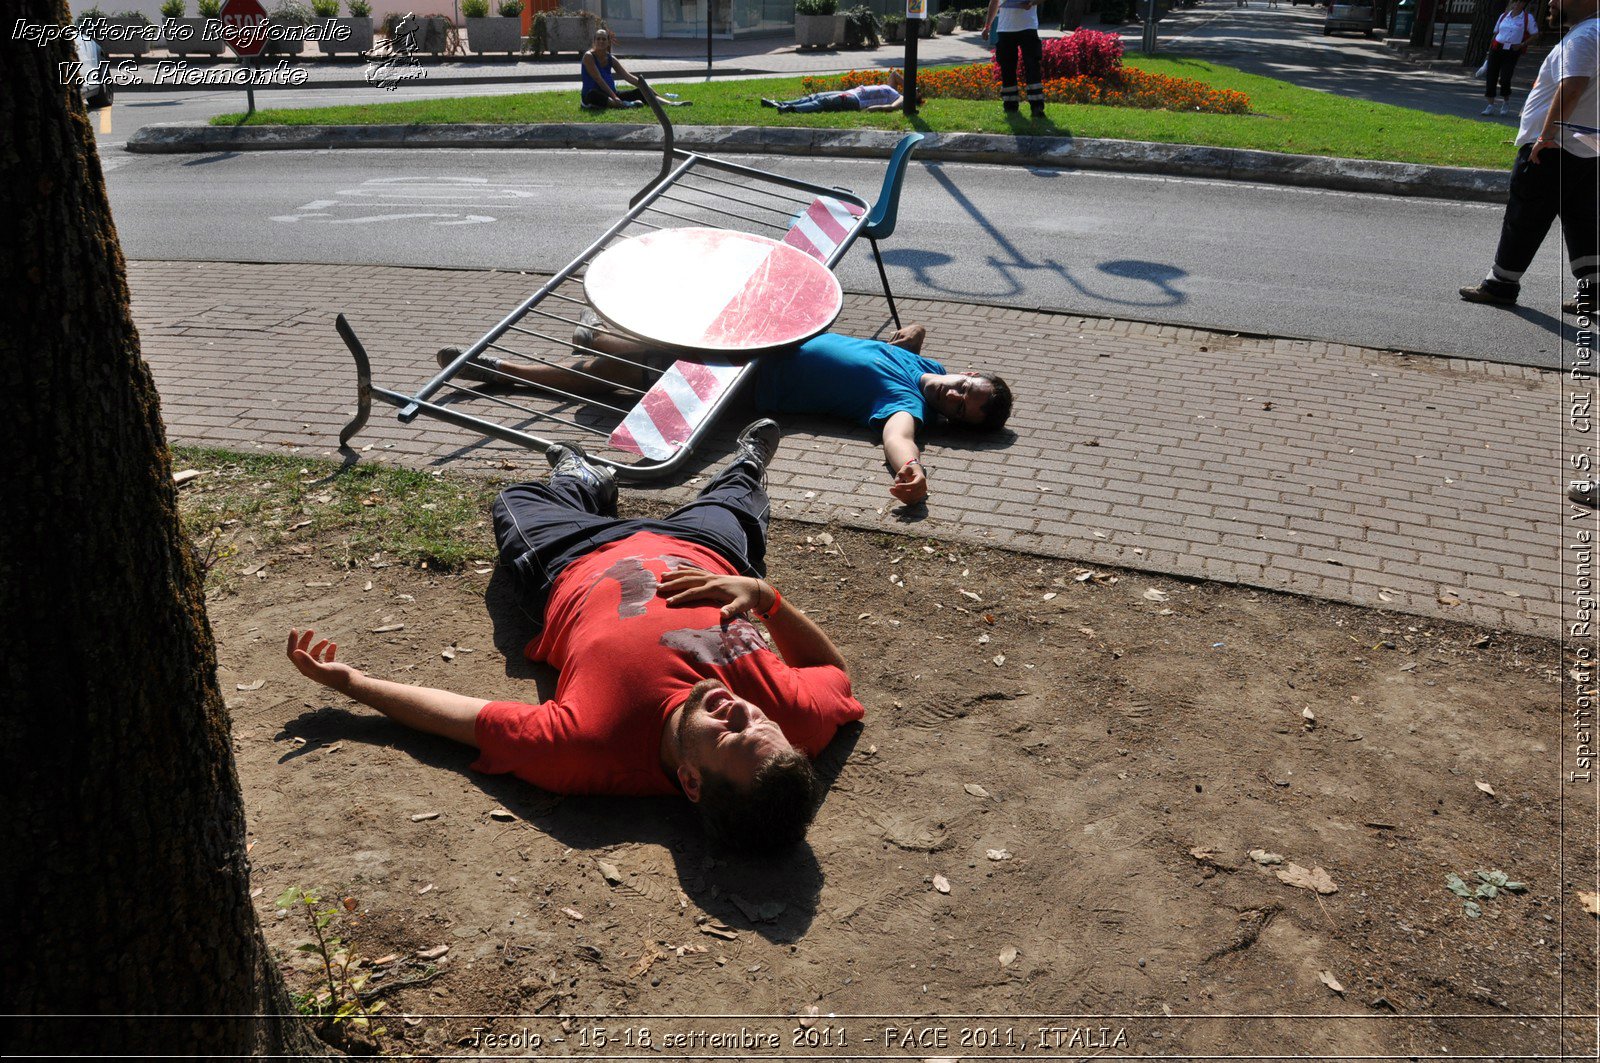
(886,211)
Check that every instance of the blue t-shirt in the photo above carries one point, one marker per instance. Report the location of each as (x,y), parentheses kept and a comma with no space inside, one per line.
(588,84)
(865,381)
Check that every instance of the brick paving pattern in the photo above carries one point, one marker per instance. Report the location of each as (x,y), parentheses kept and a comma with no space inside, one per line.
(1399,482)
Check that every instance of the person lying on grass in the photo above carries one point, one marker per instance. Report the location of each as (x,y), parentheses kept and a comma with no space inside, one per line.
(665,686)
(861,98)
(884,385)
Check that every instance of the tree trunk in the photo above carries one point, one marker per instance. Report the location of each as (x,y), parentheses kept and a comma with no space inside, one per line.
(1485,14)
(1422,28)
(126,883)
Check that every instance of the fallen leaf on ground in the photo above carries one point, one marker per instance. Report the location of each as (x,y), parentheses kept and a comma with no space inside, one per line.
(1049,596)
(1262,857)
(502,814)
(941,884)
(971,594)
(1315,878)
(573,914)
(1330,981)
(433,953)
(1008,956)
(609,872)
(257,685)
(1153,595)
(1205,853)
(426,889)
(1449,600)
(718,930)
(1590,902)
(1486,788)
(975,790)
(420,816)
(386,628)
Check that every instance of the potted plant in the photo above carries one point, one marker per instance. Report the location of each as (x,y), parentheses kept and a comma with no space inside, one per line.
(814,23)
(352,34)
(947,22)
(569,31)
(894,27)
(290,18)
(485,34)
(860,27)
(129,34)
(971,18)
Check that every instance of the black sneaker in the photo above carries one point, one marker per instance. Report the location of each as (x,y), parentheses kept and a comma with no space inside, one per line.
(759,442)
(1495,293)
(569,459)
(471,370)
(1584,494)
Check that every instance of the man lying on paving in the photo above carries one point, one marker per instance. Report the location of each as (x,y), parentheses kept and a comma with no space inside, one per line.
(889,386)
(664,685)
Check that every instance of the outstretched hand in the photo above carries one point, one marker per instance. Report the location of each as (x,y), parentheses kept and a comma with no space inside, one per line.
(910,484)
(736,595)
(316,661)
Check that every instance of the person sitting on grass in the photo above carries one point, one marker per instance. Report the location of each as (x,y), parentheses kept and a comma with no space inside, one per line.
(599,85)
(884,385)
(665,686)
(861,98)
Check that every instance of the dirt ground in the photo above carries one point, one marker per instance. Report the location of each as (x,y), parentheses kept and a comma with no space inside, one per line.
(1037,845)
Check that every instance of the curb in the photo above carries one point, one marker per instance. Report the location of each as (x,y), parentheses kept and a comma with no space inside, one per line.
(1129,156)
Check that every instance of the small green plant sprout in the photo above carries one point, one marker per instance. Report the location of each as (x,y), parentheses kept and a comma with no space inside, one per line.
(325,8)
(510,8)
(1490,885)
(173,8)
(338,999)
(358,8)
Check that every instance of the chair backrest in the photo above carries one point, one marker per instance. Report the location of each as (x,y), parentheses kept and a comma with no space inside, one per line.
(880,223)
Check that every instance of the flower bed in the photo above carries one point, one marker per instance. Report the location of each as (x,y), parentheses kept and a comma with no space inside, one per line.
(1123,87)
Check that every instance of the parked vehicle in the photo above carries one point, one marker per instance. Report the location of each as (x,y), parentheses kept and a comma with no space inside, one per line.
(1349,18)
(93,78)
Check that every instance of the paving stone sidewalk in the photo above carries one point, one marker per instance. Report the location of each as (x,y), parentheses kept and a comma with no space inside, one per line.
(1422,485)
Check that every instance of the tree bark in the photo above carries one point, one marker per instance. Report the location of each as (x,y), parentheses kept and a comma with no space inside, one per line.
(125,873)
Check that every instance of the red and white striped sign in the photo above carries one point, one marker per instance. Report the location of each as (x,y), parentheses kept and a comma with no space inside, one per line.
(713,290)
(671,410)
(822,227)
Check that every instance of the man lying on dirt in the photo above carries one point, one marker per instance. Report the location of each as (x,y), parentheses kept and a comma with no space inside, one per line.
(870,382)
(665,687)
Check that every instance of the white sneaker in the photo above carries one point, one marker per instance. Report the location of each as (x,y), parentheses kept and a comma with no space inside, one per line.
(1500,108)
(1488,108)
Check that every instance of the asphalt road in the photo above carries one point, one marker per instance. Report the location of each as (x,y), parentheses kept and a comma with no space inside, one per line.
(1371,270)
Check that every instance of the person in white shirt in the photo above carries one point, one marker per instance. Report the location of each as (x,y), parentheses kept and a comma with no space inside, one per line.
(1515,30)
(1016,28)
(1557,174)
(861,98)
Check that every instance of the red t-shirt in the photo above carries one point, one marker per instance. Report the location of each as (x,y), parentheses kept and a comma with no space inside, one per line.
(627,661)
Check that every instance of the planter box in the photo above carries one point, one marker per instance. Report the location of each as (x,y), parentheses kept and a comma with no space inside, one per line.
(133,43)
(894,34)
(817,31)
(947,23)
(495,35)
(359,39)
(183,36)
(569,33)
(925,28)
(294,47)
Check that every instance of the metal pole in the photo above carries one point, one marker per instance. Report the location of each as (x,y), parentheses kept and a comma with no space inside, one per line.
(1147,43)
(708,37)
(908,102)
(250,86)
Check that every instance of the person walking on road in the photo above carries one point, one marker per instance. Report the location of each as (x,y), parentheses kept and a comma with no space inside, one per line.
(1516,29)
(1016,28)
(1556,172)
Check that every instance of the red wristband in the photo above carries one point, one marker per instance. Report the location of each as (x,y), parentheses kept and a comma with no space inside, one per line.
(777,600)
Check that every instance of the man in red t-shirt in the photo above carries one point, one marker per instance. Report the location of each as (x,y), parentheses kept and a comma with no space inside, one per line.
(664,684)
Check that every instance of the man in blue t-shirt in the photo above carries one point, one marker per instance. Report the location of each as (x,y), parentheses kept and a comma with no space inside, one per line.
(884,385)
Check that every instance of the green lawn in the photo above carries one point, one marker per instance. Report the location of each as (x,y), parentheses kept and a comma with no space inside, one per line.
(1284,118)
